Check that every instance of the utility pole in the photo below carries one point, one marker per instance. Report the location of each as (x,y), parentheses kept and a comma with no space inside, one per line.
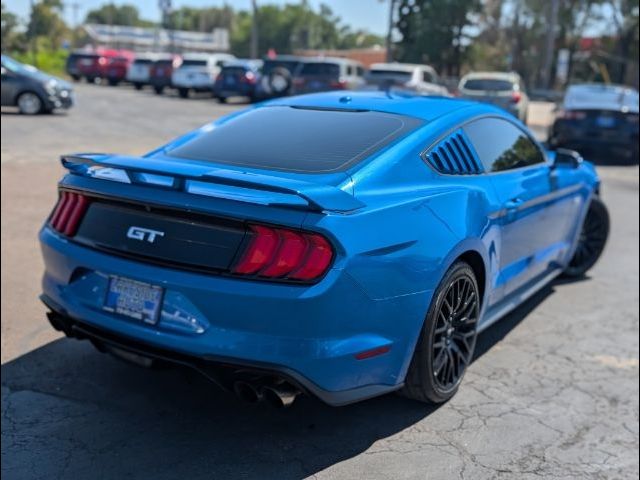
(550,43)
(75,7)
(392,6)
(254,29)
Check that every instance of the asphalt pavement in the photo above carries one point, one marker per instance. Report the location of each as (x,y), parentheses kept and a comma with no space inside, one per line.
(552,392)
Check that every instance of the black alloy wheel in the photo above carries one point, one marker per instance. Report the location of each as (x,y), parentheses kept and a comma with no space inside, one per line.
(593,238)
(448,338)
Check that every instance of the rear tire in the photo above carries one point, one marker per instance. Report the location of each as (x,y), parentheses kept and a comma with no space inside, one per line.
(447,340)
(158,90)
(593,238)
(183,92)
(138,86)
(222,99)
(113,82)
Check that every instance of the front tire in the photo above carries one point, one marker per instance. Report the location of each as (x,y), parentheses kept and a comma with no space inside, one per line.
(593,238)
(447,340)
(30,103)
(183,92)
(158,90)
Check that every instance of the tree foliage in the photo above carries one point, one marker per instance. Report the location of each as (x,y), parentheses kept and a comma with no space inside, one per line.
(9,25)
(436,32)
(111,14)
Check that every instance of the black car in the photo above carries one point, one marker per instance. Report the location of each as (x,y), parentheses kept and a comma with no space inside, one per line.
(31,90)
(599,121)
(237,78)
(276,78)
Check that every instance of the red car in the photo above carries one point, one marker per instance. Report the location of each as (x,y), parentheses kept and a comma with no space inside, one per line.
(161,71)
(106,64)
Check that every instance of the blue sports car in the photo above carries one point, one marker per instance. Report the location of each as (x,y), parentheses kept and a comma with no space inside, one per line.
(339,245)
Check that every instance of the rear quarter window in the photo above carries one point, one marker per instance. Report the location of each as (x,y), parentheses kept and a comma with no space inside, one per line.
(501,145)
(298,139)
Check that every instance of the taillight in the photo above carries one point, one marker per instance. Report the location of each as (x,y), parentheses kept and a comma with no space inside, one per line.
(67,215)
(516,97)
(285,254)
(248,77)
(102,61)
(338,84)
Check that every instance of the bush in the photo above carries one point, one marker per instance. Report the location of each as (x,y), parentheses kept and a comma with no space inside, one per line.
(49,61)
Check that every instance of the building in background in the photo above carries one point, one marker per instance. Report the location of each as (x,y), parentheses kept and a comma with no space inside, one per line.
(366,56)
(158,39)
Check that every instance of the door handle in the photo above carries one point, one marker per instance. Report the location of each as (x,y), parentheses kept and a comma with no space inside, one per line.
(513,204)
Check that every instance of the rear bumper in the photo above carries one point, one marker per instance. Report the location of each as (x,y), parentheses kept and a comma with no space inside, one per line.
(310,334)
(595,149)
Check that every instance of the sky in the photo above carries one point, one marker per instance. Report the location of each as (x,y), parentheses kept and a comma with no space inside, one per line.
(370,15)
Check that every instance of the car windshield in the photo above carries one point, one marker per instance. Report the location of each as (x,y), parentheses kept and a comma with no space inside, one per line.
(306,140)
(194,63)
(601,97)
(325,69)
(16,67)
(491,84)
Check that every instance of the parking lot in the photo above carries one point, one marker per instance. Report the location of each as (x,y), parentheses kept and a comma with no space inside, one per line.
(552,392)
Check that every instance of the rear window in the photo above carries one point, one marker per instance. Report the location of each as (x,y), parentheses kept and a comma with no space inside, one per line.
(298,139)
(382,76)
(487,84)
(163,63)
(142,61)
(270,65)
(234,70)
(329,69)
(194,63)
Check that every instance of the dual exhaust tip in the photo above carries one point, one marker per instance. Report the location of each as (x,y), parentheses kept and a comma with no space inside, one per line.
(280,394)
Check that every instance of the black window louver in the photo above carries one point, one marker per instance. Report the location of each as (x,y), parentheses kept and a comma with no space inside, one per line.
(453,156)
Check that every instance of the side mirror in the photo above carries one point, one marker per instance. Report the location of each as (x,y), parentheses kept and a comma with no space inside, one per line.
(567,158)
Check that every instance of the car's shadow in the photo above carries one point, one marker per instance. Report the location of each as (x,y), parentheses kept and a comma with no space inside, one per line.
(71,411)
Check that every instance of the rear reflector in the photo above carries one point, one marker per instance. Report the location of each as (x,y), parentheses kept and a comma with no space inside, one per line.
(374,352)
(68,213)
(284,254)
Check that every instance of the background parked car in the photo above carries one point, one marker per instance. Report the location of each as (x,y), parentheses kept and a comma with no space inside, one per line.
(198,72)
(237,79)
(506,90)
(600,121)
(106,64)
(118,66)
(72,66)
(276,76)
(31,90)
(140,69)
(323,74)
(161,72)
(421,79)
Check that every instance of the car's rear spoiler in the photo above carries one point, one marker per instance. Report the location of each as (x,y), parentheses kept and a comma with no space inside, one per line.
(183,175)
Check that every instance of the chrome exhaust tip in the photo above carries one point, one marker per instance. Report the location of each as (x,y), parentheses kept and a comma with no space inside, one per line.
(247,392)
(281,395)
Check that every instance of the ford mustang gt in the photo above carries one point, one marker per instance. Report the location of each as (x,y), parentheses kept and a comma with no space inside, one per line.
(338,245)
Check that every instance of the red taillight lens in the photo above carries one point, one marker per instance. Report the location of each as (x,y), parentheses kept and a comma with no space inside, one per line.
(338,85)
(67,215)
(516,97)
(260,251)
(284,254)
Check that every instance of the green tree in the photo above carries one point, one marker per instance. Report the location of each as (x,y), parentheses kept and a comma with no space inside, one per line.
(435,32)
(111,14)
(9,24)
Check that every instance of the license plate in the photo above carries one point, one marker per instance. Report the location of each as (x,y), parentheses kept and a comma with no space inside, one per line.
(134,299)
(606,122)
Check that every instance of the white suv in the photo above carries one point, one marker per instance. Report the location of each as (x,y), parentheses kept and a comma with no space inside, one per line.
(198,72)
(421,79)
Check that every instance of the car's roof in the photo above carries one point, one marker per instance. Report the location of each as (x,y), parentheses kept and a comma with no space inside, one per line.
(407,67)
(205,56)
(244,62)
(424,107)
(340,60)
(602,97)
(509,76)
